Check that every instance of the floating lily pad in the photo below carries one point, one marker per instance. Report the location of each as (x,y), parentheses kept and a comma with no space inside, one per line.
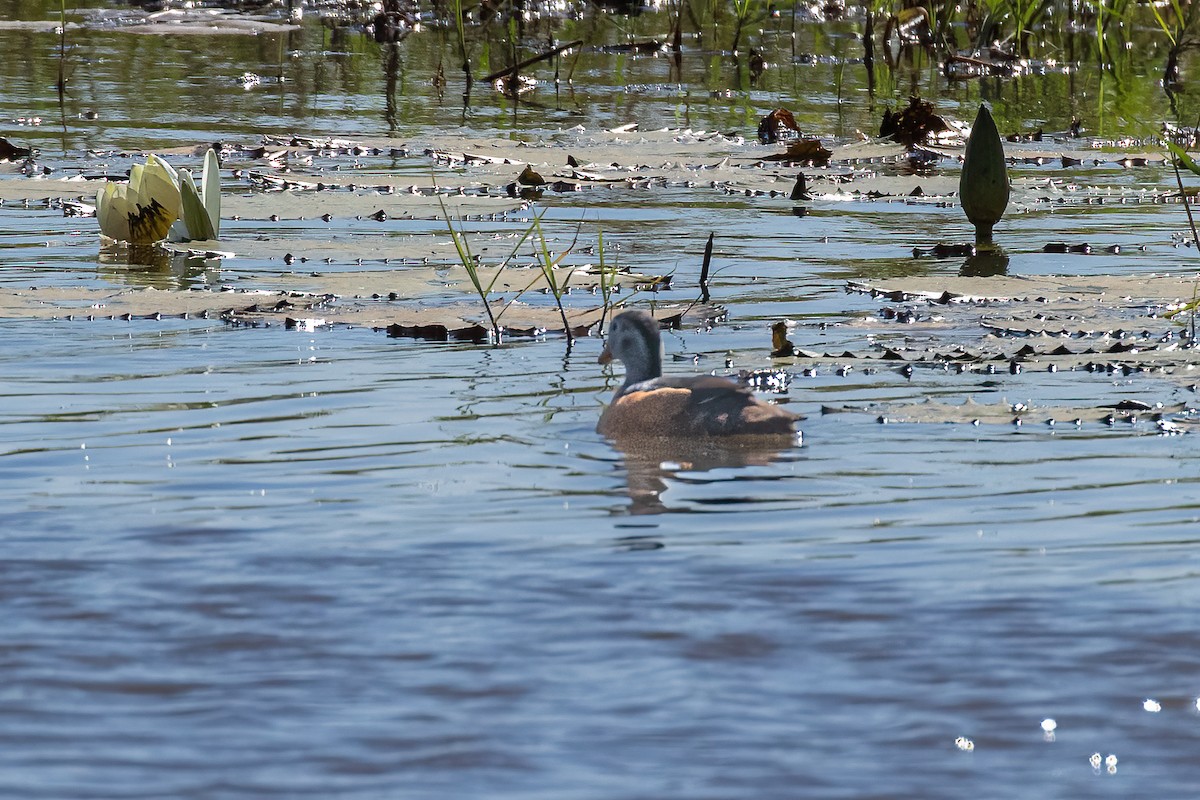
(308,310)
(1001,325)
(1051,416)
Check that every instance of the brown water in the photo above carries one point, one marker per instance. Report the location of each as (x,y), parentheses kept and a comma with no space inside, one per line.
(243,563)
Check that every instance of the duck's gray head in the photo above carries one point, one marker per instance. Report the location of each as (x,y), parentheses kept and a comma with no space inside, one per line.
(634,340)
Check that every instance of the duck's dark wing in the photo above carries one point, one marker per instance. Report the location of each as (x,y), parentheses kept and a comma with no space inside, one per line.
(707,405)
(722,408)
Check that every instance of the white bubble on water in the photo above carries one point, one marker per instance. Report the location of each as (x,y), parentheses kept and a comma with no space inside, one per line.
(1153,706)
(1049,725)
(1096,760)
(963,743)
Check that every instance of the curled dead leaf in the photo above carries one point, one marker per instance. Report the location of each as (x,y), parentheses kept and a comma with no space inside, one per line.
(529,177)
(916,124)
(778,126)
(781,345)
(10,152)
(807,151)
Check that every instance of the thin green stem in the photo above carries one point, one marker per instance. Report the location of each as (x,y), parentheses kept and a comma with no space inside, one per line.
(467,259)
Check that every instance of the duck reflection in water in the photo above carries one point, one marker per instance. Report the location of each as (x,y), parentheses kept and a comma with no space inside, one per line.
(697,422)
(651,467)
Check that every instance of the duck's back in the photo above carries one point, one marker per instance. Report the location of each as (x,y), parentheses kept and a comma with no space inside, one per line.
(692,406)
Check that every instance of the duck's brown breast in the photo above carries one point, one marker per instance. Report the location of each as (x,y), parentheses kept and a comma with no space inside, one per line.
(654,413)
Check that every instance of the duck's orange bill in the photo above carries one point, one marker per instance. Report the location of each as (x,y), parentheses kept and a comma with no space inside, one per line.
(606,356)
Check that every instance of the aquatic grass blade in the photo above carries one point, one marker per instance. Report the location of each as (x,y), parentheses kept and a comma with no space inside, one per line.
(503,264)
(1183,159)
(1181,156)
(467,259)
(605,286)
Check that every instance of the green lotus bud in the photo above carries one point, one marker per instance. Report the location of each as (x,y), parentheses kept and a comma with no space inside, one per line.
(983,185)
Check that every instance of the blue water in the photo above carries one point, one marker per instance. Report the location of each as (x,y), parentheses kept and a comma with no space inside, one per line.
(262,563)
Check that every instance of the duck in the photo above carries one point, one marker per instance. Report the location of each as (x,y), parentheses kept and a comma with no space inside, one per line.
(649,405)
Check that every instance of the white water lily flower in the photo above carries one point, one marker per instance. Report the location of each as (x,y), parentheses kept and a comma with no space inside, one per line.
(141,211)
(148,209)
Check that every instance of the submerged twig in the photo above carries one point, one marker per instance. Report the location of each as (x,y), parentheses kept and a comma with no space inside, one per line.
(605,286)
(62,53)
(515,68)
(708,248)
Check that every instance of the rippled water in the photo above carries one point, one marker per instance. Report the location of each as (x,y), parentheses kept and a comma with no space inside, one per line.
(257,563)
(241,563)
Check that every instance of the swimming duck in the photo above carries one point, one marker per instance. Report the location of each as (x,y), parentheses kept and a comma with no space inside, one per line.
(650,405)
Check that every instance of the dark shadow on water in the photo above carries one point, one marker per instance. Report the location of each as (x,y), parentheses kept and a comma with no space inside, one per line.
(651,463)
